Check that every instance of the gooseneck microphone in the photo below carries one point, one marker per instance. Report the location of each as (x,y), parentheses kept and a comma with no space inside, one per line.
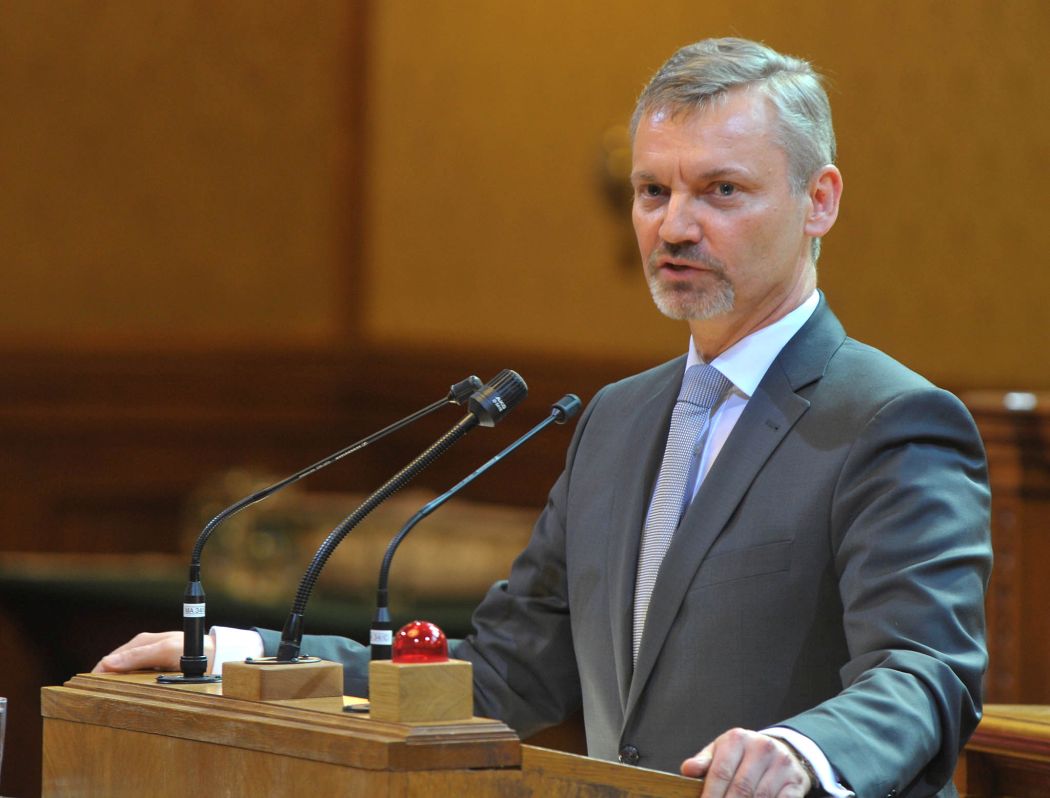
(193,661)
(382,629)
(486,407)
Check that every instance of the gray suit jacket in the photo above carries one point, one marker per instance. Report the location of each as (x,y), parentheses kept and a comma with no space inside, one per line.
(829,576)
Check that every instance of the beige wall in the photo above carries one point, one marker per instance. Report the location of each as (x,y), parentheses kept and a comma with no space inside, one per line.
(183,174)
(172,173)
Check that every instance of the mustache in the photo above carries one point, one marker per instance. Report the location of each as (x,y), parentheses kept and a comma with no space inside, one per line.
(690,252)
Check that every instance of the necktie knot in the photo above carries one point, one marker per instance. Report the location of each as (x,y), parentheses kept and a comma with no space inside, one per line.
(703,386)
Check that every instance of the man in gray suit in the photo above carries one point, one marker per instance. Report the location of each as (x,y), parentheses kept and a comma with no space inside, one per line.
(811,617)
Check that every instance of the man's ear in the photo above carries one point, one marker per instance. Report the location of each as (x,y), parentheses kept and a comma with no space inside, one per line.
(825,191)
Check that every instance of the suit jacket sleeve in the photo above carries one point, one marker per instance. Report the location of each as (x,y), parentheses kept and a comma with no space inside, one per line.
(910,527)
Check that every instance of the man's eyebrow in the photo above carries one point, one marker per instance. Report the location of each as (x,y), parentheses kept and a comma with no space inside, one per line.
(716,173)
(643,177)
(724,171)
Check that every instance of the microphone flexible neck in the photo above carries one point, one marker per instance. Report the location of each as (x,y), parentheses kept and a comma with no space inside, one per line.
(381,635)
(193,661)
(258,496)
(291,636)
(487,407)
(384,569)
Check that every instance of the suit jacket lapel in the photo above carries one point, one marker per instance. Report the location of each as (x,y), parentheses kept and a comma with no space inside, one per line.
(634,477)
(768,417)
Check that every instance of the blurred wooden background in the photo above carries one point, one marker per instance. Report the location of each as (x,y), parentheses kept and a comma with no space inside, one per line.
(250,233)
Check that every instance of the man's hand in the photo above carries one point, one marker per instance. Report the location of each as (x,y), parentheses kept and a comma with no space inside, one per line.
(745,763)
(159,651)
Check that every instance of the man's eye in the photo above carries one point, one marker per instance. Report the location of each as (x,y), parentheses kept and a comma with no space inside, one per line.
(650,190)
(726,189)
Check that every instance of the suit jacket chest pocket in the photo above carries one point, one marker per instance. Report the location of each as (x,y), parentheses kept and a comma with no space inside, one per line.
(738,565)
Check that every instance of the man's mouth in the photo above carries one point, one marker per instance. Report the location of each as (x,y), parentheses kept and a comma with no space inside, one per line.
(674,264)
(681,267)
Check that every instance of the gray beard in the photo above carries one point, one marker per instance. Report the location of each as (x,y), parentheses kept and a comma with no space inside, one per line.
(686,302)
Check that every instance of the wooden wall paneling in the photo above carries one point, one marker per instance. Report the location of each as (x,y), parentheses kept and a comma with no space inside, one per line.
(102,448)
(96,446)
(1016,431)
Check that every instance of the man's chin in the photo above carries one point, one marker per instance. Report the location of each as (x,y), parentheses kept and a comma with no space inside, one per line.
(690,305)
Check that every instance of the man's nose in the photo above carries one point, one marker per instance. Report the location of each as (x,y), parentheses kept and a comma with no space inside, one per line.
(680,223)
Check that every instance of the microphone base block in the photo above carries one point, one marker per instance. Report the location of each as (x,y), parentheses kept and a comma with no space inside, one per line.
(420,692)
(270,681)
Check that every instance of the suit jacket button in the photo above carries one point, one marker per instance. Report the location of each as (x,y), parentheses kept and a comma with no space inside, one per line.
(892,793)
(629,755)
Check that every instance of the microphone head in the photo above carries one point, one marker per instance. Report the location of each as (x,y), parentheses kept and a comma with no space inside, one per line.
(499,396)
(565,408)
(464,389)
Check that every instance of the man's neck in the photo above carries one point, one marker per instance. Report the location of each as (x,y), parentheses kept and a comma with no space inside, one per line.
(712,337)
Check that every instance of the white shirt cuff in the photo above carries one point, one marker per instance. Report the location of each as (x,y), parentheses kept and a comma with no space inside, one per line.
(826,774)
(234,645)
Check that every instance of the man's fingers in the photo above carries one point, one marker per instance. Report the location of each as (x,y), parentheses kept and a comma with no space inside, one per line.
(696,766)
(742,762)
(146,651)
(753,763)
(141,639)
(143,657)
(782,774)
(726,753)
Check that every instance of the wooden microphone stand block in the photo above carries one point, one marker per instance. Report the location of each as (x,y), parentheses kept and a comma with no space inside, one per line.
(420,692)
(254,681)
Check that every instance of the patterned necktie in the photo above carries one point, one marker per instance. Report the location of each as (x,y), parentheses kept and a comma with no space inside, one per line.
(701,389)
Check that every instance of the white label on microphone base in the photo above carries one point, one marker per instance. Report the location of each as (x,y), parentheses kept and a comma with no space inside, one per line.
(381,637)
(192,610)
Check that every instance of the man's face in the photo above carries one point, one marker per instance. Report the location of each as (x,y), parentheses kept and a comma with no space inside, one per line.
(719,229)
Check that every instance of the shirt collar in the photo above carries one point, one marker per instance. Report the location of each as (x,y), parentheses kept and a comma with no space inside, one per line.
(746,362)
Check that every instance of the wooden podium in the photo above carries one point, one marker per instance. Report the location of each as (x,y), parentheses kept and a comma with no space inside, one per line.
(1008,755)
(125,735)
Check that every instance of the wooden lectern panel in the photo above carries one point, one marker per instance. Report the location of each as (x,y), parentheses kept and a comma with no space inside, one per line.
(125,735)
(79,757)
(560,775)
(139,738)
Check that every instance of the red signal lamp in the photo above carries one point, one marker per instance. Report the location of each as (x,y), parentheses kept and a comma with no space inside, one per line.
(420,642)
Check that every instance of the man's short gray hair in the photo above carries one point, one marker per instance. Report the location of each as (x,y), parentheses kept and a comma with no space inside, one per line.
(703,73)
